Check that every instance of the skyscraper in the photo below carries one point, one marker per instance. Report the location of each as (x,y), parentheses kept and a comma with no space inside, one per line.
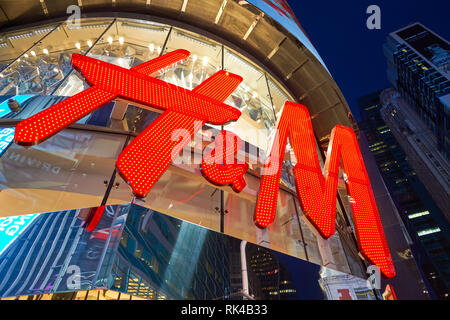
(420,146)
(418,62)
(422,218)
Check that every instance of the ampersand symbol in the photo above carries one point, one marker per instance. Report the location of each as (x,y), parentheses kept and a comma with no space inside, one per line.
(219,165)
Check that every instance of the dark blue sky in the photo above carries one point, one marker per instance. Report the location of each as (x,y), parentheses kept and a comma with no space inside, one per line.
(353,53)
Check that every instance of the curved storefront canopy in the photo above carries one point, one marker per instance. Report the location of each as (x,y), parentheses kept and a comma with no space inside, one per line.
(265,31)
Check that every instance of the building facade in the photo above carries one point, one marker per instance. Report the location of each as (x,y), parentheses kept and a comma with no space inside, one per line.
(421,217)
(183,240)
(420,147)
(418,62)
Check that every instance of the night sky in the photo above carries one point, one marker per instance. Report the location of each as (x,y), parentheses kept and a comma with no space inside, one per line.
(353,53)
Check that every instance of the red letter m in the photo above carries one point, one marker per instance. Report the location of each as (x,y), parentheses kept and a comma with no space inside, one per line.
(317,192)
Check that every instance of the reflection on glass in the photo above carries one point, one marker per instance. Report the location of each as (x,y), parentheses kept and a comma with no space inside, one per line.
(46,64)
(204,61)
(239,210)
(133,252)
(165,258)
(190,198)
(279,97)
(15,49)
(252,98)
(178,193)
(69,170)
(285,234)
(128,43)
(338,253)
(161,257)
(311,240)
(66,171)
(54,252)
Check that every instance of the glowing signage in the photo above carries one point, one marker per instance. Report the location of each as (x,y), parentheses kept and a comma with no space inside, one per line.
(12,227)
(148,156)
(219,166)
(317,194)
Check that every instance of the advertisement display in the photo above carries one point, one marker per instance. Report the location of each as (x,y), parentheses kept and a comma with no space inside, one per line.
(13,227)
(142,163)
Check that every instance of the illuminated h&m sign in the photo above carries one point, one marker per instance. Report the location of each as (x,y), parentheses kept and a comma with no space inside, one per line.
(149,155)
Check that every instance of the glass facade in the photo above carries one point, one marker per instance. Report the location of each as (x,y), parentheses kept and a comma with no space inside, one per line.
(424,221)
(418,67)
(55,252)
(138,253)
(45,69)
(76,168)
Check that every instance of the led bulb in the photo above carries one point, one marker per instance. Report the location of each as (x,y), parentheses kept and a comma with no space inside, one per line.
(77,45)
(110,40)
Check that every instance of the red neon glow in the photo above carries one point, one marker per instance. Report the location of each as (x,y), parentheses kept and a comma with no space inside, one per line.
(317,194)
(142,163)
(146,158)
(389,293)
(219,165)
(50,121)
(95,217)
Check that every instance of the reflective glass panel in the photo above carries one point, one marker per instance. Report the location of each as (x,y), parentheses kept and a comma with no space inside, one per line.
(55,252)
(16,45)
(252,98)
(67,171)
